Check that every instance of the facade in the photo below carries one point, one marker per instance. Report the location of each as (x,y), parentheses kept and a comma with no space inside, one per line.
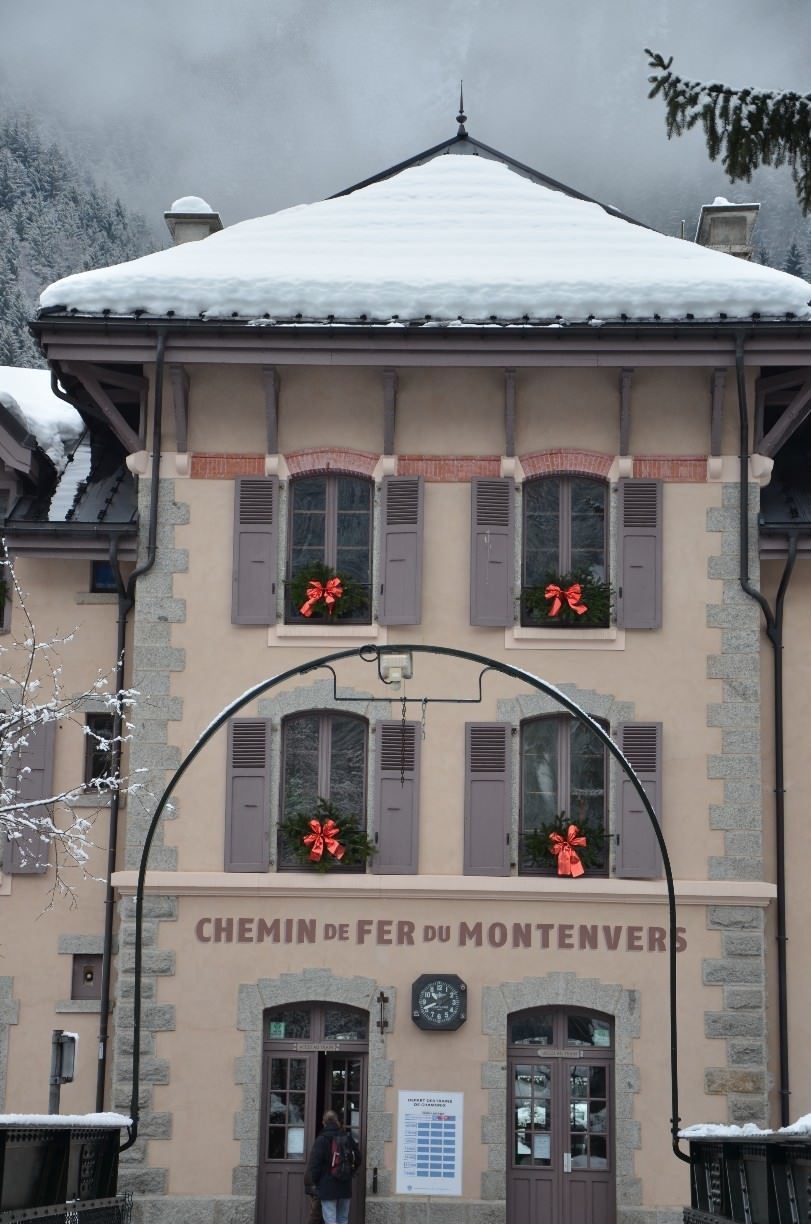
(401,491)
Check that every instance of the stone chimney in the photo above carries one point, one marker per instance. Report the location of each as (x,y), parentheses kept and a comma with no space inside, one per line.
(190,219)
(728,227)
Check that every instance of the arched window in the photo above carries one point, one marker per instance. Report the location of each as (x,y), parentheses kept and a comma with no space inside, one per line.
(323,757)
(330,535)
(563,781)
(564,537)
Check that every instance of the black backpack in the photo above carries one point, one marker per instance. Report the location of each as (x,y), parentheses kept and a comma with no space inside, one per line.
(342,1158)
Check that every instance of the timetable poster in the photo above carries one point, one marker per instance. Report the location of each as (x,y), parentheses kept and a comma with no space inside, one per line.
(429,1142)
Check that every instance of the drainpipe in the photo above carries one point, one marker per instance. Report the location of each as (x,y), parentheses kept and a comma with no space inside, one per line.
(774,632)
(126,599)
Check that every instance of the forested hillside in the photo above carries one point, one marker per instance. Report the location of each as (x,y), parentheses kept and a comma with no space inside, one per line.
(54,220)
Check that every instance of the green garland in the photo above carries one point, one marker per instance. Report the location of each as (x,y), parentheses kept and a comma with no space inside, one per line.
(355,598)
(594,594)
(538,847)
(358,846)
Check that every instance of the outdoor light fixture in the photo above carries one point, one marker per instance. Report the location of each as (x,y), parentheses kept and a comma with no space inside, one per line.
(394,668)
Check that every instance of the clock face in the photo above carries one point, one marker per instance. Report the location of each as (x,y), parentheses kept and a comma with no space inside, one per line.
(438,1001)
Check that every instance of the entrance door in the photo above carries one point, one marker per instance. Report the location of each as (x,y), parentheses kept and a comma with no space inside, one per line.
(561,1158)
(314,1059)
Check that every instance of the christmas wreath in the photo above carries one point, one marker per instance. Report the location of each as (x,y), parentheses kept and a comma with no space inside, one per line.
(324,838)
(316,591)
(565,842)
(568,599)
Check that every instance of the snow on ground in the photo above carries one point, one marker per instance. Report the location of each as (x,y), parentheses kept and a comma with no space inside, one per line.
(28,395)
(459,237)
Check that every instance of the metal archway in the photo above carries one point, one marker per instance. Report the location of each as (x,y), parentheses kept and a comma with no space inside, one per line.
(372,653)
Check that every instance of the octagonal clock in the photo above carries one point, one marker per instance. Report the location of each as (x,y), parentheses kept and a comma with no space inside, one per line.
(439,1001)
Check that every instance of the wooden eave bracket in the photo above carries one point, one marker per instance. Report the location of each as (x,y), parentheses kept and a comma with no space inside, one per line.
(88,377)
(270,378)
(180,403)
(389,409)
(719,378)
(509,412)
(625,383)
(790,420)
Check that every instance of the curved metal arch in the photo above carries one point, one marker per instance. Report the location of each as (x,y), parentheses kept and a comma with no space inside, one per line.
(368,654)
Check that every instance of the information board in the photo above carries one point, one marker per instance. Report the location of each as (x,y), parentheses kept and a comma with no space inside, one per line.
(429,1142)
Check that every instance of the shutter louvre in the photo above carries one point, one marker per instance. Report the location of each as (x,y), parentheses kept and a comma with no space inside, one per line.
(638,854)
(256,531)
(639,599)
(488,798)
(401,551)
(492,562)
(28,854)
(397,815)
(247,803)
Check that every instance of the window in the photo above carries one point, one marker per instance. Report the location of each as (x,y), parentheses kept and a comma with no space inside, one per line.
(563,772)
(98,749)
(86,976)
(330,536)
(323,757)
(102,577)
(564,537)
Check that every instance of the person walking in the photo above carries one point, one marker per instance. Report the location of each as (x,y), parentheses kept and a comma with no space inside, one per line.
(329,1172)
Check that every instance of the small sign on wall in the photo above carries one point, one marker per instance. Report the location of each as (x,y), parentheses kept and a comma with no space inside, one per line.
(429,1142)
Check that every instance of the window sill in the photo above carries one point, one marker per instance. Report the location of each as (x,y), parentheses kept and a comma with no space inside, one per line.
(90,800)
(521,637)
(5,885)
(326,635)
(95,597)
(78,1006)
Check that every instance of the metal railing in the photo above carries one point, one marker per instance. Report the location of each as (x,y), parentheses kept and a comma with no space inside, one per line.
(115,1210)
(766,1180)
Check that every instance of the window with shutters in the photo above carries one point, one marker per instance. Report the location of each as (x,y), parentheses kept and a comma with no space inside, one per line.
(564,542)
(329,567)
(563,771)
(323,757)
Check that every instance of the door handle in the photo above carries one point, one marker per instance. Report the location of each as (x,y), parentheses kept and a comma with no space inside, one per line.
(567,1162)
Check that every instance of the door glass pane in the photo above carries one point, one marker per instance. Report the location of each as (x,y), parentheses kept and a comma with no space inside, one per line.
(532,1115)
(586,1031)
(286,1105)
(588,1117)
(340,1024)
(344,1091)
(531,1030)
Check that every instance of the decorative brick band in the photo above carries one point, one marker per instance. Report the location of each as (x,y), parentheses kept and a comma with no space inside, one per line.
(682,469)
(225,467)
(329,459)
(583,462)
(448,468)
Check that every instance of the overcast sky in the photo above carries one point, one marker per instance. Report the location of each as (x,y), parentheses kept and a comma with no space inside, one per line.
(259,104)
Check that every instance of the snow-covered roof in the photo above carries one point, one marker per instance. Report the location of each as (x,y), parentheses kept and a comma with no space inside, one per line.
(713,1130)
(27,395)
(456,239)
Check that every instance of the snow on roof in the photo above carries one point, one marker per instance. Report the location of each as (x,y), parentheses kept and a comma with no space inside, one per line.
(711,1130)
(95,1119)
(191,204)
(454,239)
(28,396)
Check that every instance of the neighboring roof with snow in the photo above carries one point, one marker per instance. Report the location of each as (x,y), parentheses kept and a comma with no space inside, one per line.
(55,425)
(456,239)
(801,1129)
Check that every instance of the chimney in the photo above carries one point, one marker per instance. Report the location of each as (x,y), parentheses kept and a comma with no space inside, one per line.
(190,219)
(727,227)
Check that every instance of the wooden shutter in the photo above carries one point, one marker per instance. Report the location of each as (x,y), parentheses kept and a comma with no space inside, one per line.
(492,551)
(488,798)
(247,802)
(256,529)
(638,854)
(397,815)
(639,594)
(401,551)
(32,765)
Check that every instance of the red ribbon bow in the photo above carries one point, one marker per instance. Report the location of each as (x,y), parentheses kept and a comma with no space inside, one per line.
(571,595)
(564,850)
(329,592)
(324,837)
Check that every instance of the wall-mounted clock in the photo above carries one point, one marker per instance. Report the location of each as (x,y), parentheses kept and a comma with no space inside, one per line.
(439,1001)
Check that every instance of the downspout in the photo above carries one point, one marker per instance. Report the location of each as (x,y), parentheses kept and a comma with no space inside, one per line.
(774,632)
(126,599)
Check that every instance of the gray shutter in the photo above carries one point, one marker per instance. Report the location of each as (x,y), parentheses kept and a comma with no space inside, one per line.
(256,529)
(638,854)
(398,782)
(401,551)
(639,595)
(32,765)
(492,552)
(247,803)
(488,798)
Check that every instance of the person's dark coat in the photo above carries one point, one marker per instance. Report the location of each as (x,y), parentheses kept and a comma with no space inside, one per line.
(318,1175)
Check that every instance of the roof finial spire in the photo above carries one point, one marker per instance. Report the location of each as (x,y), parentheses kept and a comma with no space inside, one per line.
(461,117)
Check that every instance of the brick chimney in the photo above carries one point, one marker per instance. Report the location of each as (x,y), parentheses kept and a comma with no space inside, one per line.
(190,219)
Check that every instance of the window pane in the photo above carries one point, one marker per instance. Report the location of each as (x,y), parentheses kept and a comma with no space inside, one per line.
(308,522)
(585,1031)
(588,498)
(289,1022)
(539,768)
(353,525)
(347,765)
(301,781)
(541,530)
(587,797)
(343,1025)
(531,1030)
